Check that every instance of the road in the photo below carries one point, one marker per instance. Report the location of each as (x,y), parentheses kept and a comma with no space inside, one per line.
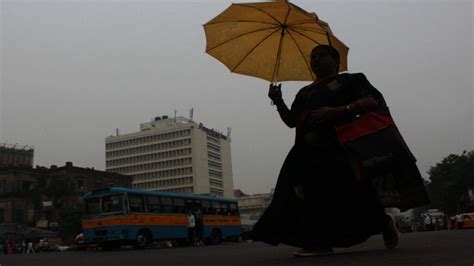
(426,248)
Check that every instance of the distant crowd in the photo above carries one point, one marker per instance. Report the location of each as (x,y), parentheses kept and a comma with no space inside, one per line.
(427,222)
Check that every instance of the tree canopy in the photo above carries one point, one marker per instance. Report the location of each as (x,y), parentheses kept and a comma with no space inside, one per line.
(450,181)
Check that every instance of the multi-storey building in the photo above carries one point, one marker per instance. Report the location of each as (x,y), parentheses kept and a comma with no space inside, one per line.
(173,155)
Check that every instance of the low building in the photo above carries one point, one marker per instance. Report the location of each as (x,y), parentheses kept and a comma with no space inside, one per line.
(17,202)
(42,196)
(14,155)
(251,207)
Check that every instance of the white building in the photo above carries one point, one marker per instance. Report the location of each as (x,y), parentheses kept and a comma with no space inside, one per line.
(173,155)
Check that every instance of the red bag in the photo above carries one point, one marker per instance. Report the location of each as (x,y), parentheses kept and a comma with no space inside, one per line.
(374,144)
(366,124)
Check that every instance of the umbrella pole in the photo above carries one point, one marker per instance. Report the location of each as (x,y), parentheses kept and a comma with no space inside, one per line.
(274,82)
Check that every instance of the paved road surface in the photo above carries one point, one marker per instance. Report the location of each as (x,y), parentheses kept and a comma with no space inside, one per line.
(427,248)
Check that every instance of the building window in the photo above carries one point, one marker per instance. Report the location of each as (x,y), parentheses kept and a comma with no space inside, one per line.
(72,186)
(26,185)
(216,191)
(19,216)
(98,184)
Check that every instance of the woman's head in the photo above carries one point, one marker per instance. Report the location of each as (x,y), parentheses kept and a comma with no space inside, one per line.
(325,60)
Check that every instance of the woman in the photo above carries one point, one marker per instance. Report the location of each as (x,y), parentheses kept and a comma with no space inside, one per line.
(319,203)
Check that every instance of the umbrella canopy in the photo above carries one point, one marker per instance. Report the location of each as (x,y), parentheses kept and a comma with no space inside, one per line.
(269,40)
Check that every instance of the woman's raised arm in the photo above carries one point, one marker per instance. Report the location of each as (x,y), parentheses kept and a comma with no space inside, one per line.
(286,115)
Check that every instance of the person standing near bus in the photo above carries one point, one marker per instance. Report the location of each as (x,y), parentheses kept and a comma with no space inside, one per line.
(427,222)
(199,228)
(191,227)
(9,247)
(30,248)
(434,223)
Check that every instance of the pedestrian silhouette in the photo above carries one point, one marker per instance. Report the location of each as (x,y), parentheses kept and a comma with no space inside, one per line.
(337,179)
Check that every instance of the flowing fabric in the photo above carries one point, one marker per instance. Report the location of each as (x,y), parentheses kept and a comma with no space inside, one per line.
(318,201)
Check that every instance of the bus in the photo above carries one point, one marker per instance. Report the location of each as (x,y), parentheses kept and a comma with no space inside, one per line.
(117,216)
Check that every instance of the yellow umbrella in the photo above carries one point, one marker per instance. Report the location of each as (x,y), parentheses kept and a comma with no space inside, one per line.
(269,40)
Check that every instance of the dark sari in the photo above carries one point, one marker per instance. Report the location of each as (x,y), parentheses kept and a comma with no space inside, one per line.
(337,209)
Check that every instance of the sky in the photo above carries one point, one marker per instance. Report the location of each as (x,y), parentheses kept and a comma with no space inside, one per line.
(72,72)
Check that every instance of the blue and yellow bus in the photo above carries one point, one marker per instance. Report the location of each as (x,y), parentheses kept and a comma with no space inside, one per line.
(116,216)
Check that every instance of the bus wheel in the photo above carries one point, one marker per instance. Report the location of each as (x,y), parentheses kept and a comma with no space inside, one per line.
(143,238)
(215,237)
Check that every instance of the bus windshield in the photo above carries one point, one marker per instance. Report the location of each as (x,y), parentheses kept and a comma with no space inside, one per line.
(112,204)
(92,207)
(105,205)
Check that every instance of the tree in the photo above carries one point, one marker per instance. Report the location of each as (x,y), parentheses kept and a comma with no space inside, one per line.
(450,181)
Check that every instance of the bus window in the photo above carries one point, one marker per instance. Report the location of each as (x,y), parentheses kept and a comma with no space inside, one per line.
(153,204)
(136,203)
(92,207)
(225,208)
(166,205)
(215,207)
(233,209)
(179,206)
(206,207)
(112,204)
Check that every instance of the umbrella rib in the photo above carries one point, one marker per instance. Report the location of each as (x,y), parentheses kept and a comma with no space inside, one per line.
(238,36)
(276,69)
(247,55)
(261,10)
(241,21)
(310,29)
(303,22)
(302,11)
(306,36)
(287,13)
(308,65)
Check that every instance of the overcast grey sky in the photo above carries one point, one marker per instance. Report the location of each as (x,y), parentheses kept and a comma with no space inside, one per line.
(74,71)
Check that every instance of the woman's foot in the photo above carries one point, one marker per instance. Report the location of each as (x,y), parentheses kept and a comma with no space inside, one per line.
(390,233)
(311,252)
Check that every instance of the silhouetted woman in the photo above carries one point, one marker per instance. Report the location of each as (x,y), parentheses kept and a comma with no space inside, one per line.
(319,202)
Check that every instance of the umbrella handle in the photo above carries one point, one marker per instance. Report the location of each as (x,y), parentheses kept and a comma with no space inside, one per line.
(278,86)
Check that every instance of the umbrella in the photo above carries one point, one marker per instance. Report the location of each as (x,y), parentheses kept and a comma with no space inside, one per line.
(269,40)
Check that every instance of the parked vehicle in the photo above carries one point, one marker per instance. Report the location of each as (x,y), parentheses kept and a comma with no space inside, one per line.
(466,217)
